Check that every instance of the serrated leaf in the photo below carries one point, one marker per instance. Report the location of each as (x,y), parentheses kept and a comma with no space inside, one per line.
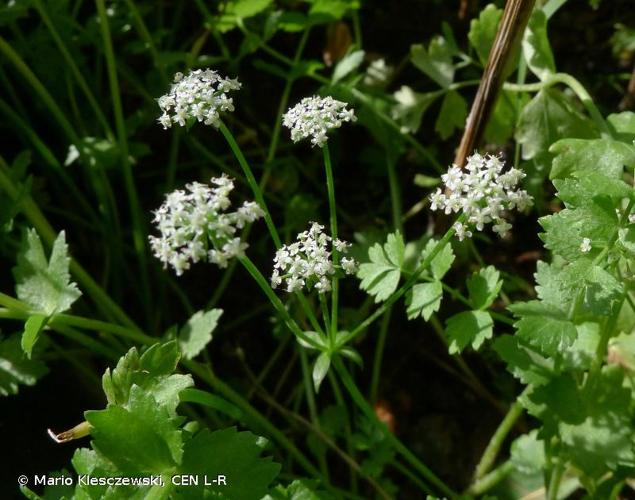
(548,117)
(536,48)
(442,262)
(320,369)
(565,230)
(483,30)
(528,453)
(32,328)
(452,115)
(424,299)
(600,155)
(484,287)
(197,332)
(139,439)
(381,275)
(45,286)
(152,372)
(468,328)
(436,62)
(550,336)
(15,368)
(347,65)
(235,455)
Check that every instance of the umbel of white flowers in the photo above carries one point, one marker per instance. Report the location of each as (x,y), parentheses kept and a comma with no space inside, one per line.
(482,192)
(195,225)
(314,116)
(200,96)
(307,262)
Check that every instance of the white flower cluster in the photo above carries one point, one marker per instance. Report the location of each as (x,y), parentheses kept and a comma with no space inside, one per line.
(314,116)
(482,192)
(195,225)
(201,96)
(308,261)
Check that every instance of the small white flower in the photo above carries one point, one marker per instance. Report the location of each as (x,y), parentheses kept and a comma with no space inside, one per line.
(195,225)
(585,246)
(314,116)
(199,96)
(308,261)
(483,193)
(631,218)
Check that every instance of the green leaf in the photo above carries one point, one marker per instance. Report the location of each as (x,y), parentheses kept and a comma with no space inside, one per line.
(565,230)
(523,363)
(550,336)
(468,328)
(536,48)
(436,62)
(562,399)
(152,372)
(45,286)
(235,455)
(483,30)
(320,369)
(410,107)
(605,156)
(424,299)
(197,332)
(484,287)
(442,262)
(347,65)
(604,440)
(528,453)
(584,186)
(139,439)
(32,328)
(452,115)
(380,276)
(15,368)
(548,117)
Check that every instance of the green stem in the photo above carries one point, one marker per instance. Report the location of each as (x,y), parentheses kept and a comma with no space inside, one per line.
(359,400)
(379,352)
(251,180)
(138,233)
(554,482)
(330,187)
(493,447)
(487,482)
(275,301)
